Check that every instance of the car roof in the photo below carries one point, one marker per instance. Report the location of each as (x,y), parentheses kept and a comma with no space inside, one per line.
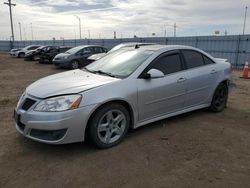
(84,46)
(156,47)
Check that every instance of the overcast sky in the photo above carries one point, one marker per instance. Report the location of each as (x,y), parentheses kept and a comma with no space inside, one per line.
(100,18)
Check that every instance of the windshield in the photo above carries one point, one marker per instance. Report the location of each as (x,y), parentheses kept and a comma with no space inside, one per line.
(74,50)
(119,64)
(41,47)
(117,47)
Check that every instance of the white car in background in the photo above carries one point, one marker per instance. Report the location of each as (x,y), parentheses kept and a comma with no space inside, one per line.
(20,53)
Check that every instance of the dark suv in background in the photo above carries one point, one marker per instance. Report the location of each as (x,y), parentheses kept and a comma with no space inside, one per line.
(77,57)
(48,56)
(35,54)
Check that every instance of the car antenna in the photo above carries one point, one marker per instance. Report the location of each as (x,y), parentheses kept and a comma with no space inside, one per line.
(137,46)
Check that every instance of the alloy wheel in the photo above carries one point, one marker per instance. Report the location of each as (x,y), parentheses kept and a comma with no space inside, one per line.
(111,126)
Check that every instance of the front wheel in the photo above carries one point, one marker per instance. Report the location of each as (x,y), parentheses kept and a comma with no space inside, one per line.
(74,64)
(21,55)
(109,125)
(219,100)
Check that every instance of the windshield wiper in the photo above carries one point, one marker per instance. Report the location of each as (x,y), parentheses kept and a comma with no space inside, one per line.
(104,73)
(100,72)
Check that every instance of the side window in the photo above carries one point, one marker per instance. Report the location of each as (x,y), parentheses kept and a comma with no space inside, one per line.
(33,48)
(169,64)
(207,60)
(98,50)
(86,50)
(193,59)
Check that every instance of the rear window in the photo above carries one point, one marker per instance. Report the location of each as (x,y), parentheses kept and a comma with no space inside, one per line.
(207,60)
(192,58)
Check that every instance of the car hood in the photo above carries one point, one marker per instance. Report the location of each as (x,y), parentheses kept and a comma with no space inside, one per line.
(61,55)
(97,56)
(15,49)
(68,82)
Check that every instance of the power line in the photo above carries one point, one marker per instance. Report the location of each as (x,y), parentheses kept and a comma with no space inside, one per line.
(11,22)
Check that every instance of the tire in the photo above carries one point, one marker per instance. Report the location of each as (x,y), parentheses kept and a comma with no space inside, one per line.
(21,55)
(220,97)
(74,64)
(109,125)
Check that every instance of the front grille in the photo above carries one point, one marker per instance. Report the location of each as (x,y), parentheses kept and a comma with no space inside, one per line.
(48,135)
(28,103)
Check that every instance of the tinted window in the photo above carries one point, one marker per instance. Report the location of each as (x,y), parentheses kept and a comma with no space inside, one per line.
(87,50)
(193,59)
(98,50)
(63,49)
(207,60)
(33,47)
(169,64)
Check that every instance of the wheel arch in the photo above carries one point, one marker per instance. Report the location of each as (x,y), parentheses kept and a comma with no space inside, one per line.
(20,54)
(225,81)
(119,101)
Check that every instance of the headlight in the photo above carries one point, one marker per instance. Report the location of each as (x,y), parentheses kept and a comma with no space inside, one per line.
(66,57)
(58,104)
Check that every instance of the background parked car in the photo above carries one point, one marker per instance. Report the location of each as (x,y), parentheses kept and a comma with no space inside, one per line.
(12,51)
(48,56)
(115,48)
(21,53)
(35,54)
(77,57)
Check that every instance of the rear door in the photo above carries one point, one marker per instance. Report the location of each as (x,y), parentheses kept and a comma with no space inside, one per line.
(160,96)
(201,77)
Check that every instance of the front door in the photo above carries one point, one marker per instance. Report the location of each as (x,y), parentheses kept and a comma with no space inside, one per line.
(160,96)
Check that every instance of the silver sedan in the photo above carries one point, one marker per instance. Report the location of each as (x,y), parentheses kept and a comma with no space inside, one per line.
(126,89)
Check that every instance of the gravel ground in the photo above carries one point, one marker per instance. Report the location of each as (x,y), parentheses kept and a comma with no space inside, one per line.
(197,149)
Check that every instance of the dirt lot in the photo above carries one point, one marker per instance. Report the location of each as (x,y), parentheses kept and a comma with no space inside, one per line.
(197,149)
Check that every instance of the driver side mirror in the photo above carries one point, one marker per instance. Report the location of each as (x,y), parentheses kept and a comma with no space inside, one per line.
(153,73)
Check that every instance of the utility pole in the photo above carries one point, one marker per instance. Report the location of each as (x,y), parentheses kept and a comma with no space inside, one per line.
(80,32)
(20,31)
(245,18)
(11,22)
(175,26)
(31,29)
(226,32)
(89,33)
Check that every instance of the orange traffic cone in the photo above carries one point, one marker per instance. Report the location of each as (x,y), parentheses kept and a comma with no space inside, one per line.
(245,71)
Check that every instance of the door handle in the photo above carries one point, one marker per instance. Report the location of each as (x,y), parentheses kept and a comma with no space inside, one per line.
(213,71)
(181,80)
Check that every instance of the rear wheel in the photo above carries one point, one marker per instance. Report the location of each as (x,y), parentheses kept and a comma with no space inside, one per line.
(109,125)
(219,101)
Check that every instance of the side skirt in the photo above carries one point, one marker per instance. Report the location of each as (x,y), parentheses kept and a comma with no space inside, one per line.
(139,124)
